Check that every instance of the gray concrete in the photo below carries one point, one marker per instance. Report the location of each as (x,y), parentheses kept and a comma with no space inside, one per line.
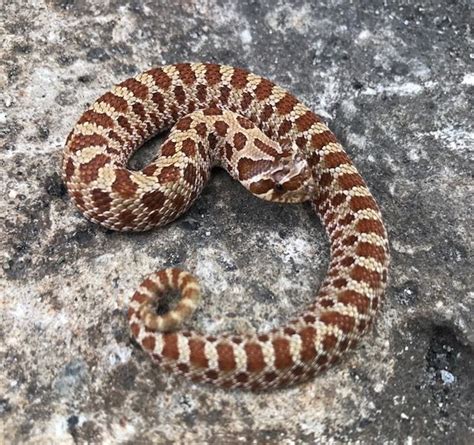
(393,81)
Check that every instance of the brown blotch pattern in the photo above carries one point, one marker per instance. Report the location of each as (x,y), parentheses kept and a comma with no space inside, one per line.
(159,101)
(308,349)
(189,147)
(201,93)
(239,141)
(100,119)
(221,128)
(226,358)
(80,141)
(153,200)
(213,74)
(78,199)
(351,297)
(150,170)
(246,101)
(262,186)
(179,94)
(245,123)
(347,219)
(184,123)
(212,111)
(265,148)
(372,251)
(255,358)
(362,202)
(329,341)
(338,199)
(135,328)
(168,148)
(344,322)
(201,129)
(149,343)
(325,180)
(283,358)
(371,226)
(371,277)
(306,121)
(266,113)
(320,140)
(347,261)
(127,217)
(229,151)
(284,127)
(170,347)
(139,110)
(263,89)
(350,180)
(69,169)
(138,89)
(333,160)
(90,171)
(117,103)
(123,184)
(125,124)
(190,174)
(169,174)
(248,168)
(183,368)
(186,73)
(239,78)
(286,104)
(242,377)
(161,79)
(101,200)
(197,354)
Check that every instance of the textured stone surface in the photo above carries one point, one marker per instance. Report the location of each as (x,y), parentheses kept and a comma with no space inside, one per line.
(394,82)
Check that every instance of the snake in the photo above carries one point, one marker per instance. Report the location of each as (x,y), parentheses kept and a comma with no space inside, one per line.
(279,150)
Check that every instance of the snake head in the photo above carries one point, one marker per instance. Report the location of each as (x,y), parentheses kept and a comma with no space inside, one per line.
(288,179)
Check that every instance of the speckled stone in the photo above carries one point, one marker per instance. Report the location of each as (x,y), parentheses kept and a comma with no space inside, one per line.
(394,81)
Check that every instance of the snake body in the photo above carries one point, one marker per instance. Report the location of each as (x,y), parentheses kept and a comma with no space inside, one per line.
(280,151)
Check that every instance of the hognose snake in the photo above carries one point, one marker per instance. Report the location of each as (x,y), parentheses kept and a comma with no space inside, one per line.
(280,151)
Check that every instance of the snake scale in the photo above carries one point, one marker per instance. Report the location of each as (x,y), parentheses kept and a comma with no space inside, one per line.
(280,151)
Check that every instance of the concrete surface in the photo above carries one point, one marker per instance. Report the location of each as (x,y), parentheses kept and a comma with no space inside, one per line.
(393,79)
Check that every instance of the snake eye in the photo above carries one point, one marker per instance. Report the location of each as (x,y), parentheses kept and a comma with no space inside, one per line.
(279,187)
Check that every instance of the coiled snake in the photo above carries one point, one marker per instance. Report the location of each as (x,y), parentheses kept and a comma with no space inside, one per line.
(280,151)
